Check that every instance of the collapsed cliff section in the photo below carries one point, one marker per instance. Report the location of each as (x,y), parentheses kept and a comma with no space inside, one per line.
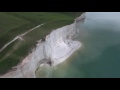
(56,48)
(58,44)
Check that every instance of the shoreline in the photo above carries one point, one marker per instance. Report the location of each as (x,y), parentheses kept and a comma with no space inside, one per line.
(64,58)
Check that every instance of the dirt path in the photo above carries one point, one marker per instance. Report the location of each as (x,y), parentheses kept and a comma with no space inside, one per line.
(19,37)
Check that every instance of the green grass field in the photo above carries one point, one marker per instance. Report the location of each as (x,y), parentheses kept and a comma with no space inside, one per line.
(8,22)
(21,22)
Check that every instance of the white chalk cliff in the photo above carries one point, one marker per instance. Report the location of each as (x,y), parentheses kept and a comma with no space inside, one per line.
(57,47)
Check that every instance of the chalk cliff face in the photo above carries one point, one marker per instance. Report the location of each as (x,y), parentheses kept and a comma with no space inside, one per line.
(59,43)
(57,47)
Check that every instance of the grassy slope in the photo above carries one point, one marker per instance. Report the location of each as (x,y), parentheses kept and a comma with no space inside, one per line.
(42,16)
(8,22)
(24,47)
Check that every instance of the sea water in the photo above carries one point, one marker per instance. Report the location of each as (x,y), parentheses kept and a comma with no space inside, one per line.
(99,54)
